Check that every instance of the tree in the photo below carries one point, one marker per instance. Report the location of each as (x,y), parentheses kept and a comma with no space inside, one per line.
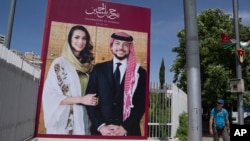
(162,74)
(217,64)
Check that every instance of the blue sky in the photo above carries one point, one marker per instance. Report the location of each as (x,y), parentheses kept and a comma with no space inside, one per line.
(167,18)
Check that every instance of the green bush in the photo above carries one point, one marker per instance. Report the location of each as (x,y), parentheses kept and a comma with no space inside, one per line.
(182,131)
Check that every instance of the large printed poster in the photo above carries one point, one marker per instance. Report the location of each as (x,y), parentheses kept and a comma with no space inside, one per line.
(82,93)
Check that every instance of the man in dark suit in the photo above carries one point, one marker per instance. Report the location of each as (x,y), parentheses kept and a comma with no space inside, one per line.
(121,105)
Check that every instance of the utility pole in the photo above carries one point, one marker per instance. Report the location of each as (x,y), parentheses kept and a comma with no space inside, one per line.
(238,64)
(10,24)
(193,71)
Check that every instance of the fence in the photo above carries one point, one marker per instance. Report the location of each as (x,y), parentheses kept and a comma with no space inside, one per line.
(19,83)
(165,107)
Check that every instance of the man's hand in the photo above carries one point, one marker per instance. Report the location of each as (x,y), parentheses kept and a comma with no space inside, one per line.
(117,130)
(105,130)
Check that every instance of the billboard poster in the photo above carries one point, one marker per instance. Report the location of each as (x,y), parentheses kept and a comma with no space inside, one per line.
(95,71)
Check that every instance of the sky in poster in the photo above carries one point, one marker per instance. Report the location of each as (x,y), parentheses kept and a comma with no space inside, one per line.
(166,20)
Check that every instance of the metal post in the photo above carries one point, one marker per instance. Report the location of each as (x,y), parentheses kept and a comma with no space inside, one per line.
(193,72)
(10,24)
(238,64)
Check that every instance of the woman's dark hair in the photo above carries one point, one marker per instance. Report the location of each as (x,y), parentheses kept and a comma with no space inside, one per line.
(86,54)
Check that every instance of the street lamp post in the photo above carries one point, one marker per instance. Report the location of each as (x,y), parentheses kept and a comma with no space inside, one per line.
(193,71)
(10,24)
(238,64)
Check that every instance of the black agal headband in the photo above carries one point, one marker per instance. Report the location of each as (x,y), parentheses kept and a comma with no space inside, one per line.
(118,37)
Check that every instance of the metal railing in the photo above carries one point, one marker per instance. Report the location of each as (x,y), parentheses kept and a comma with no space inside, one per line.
(166,105)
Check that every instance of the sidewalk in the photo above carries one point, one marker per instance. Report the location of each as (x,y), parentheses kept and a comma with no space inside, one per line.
(205,132)
(207,139)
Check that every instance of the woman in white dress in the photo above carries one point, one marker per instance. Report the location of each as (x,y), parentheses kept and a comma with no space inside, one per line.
(63,97)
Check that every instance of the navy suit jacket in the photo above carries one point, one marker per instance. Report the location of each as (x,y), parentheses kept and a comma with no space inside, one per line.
(110,107)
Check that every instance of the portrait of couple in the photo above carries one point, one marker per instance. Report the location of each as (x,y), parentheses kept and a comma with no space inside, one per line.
(95,81)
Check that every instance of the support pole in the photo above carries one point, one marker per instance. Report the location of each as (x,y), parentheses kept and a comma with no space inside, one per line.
(10,24)
(238,64)
(193,72)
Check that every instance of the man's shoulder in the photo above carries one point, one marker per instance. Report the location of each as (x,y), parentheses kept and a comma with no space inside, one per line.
(219,110)
(101,64)
(212,110)
(224,110)
(141,69)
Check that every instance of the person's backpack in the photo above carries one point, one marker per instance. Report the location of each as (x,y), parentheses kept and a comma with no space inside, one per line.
(219,118)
